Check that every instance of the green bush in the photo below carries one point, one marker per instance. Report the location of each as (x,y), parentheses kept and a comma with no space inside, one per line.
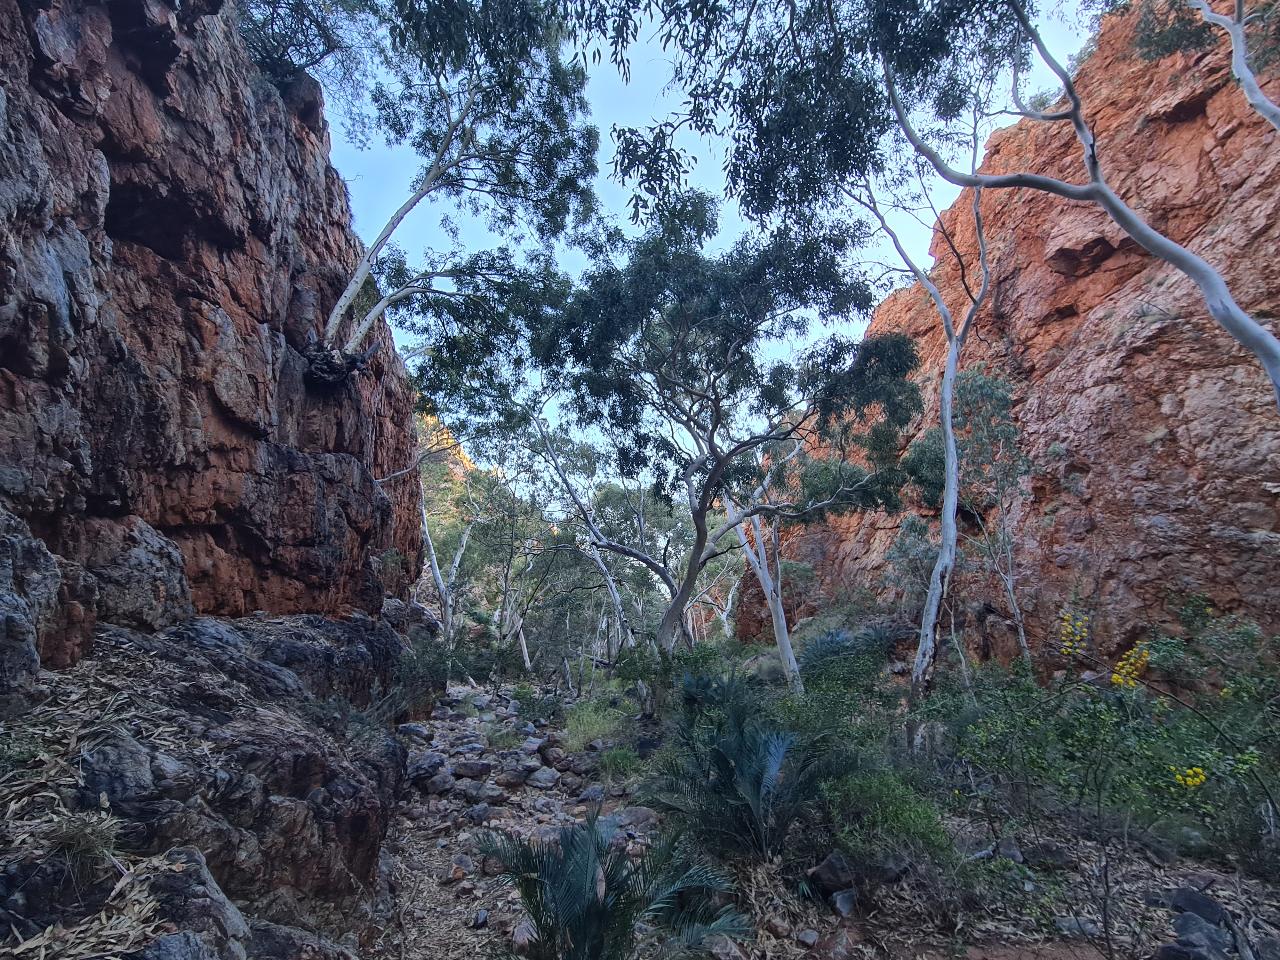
(1200,747)
(731,778)
(618,763)
(534,706)
(590,720)
(876,814)
(587,900)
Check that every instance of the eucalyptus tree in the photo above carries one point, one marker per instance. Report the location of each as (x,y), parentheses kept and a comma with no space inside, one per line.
(673,356)
(814,96)
(1252,30)
(480,91)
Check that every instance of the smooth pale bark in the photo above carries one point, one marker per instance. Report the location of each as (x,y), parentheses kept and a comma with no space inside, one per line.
(438,166)
(524,649)
(757,554)
(1235,30)
(944,565)
(1222,306)
(623,631)
(445,584)
(433,563)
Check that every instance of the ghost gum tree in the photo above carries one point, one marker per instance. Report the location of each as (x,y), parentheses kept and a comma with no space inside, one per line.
(1252,29)
(813,98)
(675,357)
(480,91)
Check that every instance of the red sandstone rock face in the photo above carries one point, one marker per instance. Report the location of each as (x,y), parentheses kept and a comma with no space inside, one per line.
(1157,436)
(171,233)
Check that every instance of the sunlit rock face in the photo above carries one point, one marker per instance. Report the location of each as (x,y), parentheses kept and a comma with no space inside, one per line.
(1156,437)
(171,235)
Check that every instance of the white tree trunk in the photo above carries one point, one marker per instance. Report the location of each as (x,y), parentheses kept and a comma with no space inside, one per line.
(757,555)
(622,631)
(438,166)
(437,576)
(1248,332)
(939,577)
(1235,30)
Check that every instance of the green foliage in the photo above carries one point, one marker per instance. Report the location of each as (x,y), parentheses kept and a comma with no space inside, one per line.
(878,814)
(911,559)
(822,655)
(1127,751)
(590,720)
(536,707)
(336,39)
(618,763)
(846,695)
(17,752)
(732,779)
(805,119)
(587,900)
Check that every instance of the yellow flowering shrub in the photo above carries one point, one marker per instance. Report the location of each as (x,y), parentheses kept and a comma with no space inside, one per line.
(1130,666)
(1073,632)
(1190,777)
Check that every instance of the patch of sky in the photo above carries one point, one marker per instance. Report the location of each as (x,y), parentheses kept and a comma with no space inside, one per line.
(379,175)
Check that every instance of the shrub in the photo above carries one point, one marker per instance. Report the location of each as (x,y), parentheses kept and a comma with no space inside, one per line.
(1126,749)
(618,763)
(878,814)
(16,752)
(590,720)
(872,642)
(587,900)
(734,780)
(534,706)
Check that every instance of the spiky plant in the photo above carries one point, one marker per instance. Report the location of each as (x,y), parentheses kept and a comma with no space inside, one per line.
(873,640)
(587,900)
(733,780)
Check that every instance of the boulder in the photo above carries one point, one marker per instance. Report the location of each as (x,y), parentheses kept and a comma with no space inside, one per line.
(544,778)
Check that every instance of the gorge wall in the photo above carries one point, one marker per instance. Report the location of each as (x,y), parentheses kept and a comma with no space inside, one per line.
(1155,437)
(171,237)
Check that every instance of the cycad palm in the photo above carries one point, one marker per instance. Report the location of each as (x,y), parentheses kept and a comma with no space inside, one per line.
(735,781)
(587,899)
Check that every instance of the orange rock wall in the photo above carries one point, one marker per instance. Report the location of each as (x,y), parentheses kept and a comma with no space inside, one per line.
(171,234)
(1156,437)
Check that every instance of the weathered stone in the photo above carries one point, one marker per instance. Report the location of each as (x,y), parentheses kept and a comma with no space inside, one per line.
(833,874)
(509,777)
(47,608)
(423,766)
(1190,900)
(273,941)
(472,769)
(141,581)
(1079,927)
(1198,933)
(544,778)
(845,902)
(1154,432)
(192,900)
(440,783)
(171,236)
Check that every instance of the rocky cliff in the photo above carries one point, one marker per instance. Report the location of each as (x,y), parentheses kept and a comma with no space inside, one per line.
(171,235)
(1155,438)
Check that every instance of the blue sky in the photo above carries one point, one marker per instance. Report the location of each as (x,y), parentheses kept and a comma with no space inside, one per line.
(379,175)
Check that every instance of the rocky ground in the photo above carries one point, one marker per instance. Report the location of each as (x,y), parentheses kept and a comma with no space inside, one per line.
(476,766)
(214,792)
